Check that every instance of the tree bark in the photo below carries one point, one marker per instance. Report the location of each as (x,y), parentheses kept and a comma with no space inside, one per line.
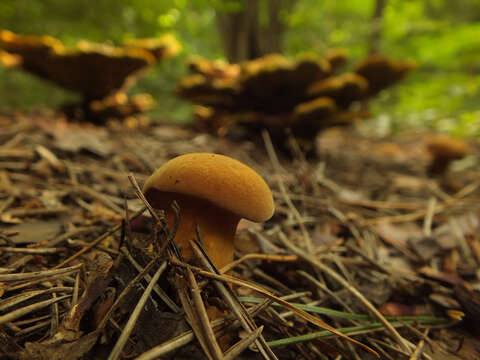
(377,26)
(245,38)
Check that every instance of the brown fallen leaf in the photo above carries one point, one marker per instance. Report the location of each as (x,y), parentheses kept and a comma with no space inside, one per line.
(35,231)
(74,137)
(450,278)
(82,139)
(60,350)
(398,235)
(456,346)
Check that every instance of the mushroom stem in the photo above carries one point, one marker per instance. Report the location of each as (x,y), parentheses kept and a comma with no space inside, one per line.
(217,226)
(439,165)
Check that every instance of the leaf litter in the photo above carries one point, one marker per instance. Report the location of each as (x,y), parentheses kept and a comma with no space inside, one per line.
(363,241)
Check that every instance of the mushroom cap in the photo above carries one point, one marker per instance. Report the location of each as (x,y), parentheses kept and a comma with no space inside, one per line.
(161,47)
(447,147)
(382,71)
(225,182)
(94,70)
(344,89)
(319,108)
(9,60)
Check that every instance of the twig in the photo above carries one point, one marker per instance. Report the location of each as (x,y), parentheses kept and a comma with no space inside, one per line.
(38,274)
(352,330)
(325,289)
(203,317)
(117,349)
(16,299)
(427,222)
(96,242)
(188,336)
(30,250)
(416,215)
(51,158)
(158,290)
(276,166)
(29,308)
(76,290)
(170,345)
(299,312)
(192,318)
(23,285)
(266,257)
(240,312)
(347,286)
(419,349)
(100,197)
(22,212)
(239,347)
(70,234)
(126,290)
(6,204)
(169,234)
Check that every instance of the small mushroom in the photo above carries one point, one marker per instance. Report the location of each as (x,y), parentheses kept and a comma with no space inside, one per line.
(444,150)
(213,192)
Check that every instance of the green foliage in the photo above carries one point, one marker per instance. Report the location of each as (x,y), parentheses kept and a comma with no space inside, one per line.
(441,35)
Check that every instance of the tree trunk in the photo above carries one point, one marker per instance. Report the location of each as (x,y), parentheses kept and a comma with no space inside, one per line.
(245,38)
(377,25)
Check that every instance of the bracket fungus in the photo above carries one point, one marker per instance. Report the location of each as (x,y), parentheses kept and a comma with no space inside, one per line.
(382,72)
(161,48)
(98,72)
(8,60)
(344,89)
(337,58)
(280,94)
(94,70)
(120,106)
(214,192)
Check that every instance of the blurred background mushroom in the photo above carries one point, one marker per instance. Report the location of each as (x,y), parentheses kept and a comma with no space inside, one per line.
(443,150)
(101,73)
(304,94)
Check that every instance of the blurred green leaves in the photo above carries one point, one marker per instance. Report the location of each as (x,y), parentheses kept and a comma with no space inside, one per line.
(442,35)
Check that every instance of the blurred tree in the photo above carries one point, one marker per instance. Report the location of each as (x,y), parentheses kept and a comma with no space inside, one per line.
(252,28)
(377,25)
(441,35)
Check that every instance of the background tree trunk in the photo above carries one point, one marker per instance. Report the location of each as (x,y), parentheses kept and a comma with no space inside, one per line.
(377,25)
(243,35)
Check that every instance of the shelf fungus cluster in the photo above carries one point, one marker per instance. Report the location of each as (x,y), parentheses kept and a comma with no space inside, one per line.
(100,73)
(297,96)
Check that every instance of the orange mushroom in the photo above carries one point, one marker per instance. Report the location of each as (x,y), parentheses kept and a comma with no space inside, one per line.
(444,150)
(213,192)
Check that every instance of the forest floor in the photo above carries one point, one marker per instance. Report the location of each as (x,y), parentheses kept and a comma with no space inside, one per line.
(360,229)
